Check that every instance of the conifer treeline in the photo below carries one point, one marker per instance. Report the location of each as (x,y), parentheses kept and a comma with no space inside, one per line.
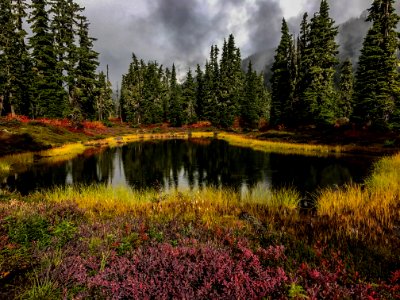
(219,93)
(309,86)
(51,73)
(306,89)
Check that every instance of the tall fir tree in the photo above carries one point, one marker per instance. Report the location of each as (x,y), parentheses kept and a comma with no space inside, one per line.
(65,25)
(250,103)
(189,98)
(303,65)
(200,106)
(86,78)
(176,107)
(377,87)
(22,63)
(346,90)
(14,59)
(281,81)
(320,58)
(49,96)
(230,83)
(104,100)
(211,88)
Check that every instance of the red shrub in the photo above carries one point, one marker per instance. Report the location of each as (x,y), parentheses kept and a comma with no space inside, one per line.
(94,125)
(166,272)
(23,119)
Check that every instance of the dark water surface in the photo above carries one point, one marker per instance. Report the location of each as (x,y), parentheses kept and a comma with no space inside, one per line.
(198,163)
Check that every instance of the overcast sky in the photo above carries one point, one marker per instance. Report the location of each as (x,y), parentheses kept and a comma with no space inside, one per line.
(182,31)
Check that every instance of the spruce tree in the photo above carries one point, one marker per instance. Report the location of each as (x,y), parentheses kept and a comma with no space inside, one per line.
(22,63)
(86,78)
(250,103)
(6,47)
(104,101)
(230,83)
(281,85)
(321,59)
(377,87)
(211,89)
(303,66)
(151,104)
(65,26)
(346,89)
(15,66)
(189,98)
(49,96)
(176,107)
(200,106)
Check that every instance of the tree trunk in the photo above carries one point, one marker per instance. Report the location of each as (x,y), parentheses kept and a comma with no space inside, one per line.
(12,110)
(1,104)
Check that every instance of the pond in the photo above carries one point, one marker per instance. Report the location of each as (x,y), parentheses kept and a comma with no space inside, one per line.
(170,164)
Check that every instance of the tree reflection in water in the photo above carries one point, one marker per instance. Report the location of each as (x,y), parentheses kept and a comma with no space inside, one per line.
(190,164)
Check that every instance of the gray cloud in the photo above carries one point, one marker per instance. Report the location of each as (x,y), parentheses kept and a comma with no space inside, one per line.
(182,31)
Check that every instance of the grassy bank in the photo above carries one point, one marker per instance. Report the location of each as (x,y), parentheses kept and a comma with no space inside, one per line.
(115,243)
(99,242)
(368,211)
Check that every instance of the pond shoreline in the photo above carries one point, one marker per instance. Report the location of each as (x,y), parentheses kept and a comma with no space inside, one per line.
(99,241)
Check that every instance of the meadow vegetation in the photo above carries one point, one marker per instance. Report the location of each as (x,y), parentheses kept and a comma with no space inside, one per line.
(115,243)
(89,242)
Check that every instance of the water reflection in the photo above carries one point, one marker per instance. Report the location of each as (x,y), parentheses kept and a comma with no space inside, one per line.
(191,164)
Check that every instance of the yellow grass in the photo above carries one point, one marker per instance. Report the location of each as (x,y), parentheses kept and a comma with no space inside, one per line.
(207,204)
(5,167)
(374,206)
(281,147)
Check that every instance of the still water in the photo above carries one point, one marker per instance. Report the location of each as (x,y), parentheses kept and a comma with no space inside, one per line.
(190,164)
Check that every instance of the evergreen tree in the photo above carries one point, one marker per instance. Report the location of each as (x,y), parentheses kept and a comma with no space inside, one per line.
(346,85)
(86,79)
(321,58)
(49,97)
(281,81)
(166,91)
(230,83)
(200,106)
(303,66)
(211,88)
(14,59)
(22,67)
(189,98)
(7,26)
(66,27)
(377,88)
(151,106)
(250,104)
(104,101)
(176,107)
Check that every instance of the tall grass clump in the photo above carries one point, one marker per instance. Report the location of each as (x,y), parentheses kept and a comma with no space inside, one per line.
(207,204)
(5,167)
(372,208)
(282,147)
(275,199)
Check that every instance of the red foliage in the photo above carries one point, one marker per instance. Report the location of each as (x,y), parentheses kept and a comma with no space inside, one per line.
(184,272)
(22,119)
(198,125)
(64,123)
(93,125)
